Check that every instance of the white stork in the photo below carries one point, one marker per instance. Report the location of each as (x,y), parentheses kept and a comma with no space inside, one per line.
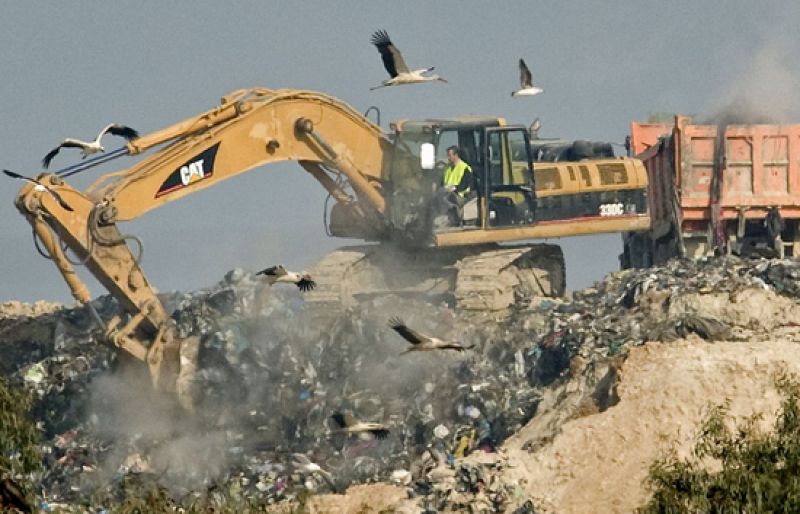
(396,66)
(303,464)
(534,128)
(421,342)
(363,430)
(278,273)
(526,82)
(91,147)
(41,187)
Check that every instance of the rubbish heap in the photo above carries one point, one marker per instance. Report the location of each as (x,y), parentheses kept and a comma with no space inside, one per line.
(714,299)
(268,379)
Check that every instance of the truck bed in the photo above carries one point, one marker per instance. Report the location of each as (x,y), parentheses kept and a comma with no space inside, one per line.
(758,169)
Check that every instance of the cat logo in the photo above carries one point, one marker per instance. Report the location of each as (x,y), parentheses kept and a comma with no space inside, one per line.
(193,171)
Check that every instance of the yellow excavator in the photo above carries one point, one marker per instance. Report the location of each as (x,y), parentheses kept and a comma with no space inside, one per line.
(383,185)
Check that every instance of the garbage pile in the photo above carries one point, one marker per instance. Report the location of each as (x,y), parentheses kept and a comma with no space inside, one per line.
(266,384)
(714,299)
(471,487)
(268,379)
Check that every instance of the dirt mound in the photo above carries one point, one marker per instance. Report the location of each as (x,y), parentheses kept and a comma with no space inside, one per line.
(15,309)
(752,310)
(598,463)
(360,498)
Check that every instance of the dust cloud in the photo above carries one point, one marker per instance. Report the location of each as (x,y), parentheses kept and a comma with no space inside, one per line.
(267,381)
(146,432)
(764,91)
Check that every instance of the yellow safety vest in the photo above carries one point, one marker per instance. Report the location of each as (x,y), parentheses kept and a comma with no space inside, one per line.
(454,173)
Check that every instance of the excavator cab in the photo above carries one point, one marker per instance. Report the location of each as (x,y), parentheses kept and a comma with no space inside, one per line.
(508,184)
(502,193)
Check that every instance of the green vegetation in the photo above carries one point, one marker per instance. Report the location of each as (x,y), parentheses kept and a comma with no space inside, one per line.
(19,438)
(735,469)
(139,495)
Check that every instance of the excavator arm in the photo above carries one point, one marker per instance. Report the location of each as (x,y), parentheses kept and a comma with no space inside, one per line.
(249,129)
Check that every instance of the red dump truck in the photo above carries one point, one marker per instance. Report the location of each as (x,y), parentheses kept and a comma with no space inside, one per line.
(738,194)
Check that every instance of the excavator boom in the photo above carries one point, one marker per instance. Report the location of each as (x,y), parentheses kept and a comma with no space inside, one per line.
(248,130)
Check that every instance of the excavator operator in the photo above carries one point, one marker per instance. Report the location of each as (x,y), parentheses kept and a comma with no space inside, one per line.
(457,177)
(456,185)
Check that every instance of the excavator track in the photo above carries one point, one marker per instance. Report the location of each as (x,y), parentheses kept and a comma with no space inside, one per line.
(489,278)
(352,274)
(494,280)
(332,293)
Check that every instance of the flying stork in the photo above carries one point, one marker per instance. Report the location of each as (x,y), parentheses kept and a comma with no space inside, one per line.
(91,147)
(40,187)
(526,82)
(396,66)
(278,273)
(303,464)
(534,128)
(363,430)
(421,342)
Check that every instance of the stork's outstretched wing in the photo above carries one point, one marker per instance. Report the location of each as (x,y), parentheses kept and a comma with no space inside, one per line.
(392,58)
(408,334)
(525,76)
(273,271)
(68,143)
(115,129)
(21,177)
(380,433)
(534,128)
(57,197)
(306,284)
(344,420)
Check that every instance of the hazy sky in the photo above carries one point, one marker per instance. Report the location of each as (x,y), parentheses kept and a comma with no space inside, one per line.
(68,68)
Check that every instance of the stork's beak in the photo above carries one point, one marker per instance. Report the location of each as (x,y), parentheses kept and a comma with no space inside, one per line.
(441,79)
